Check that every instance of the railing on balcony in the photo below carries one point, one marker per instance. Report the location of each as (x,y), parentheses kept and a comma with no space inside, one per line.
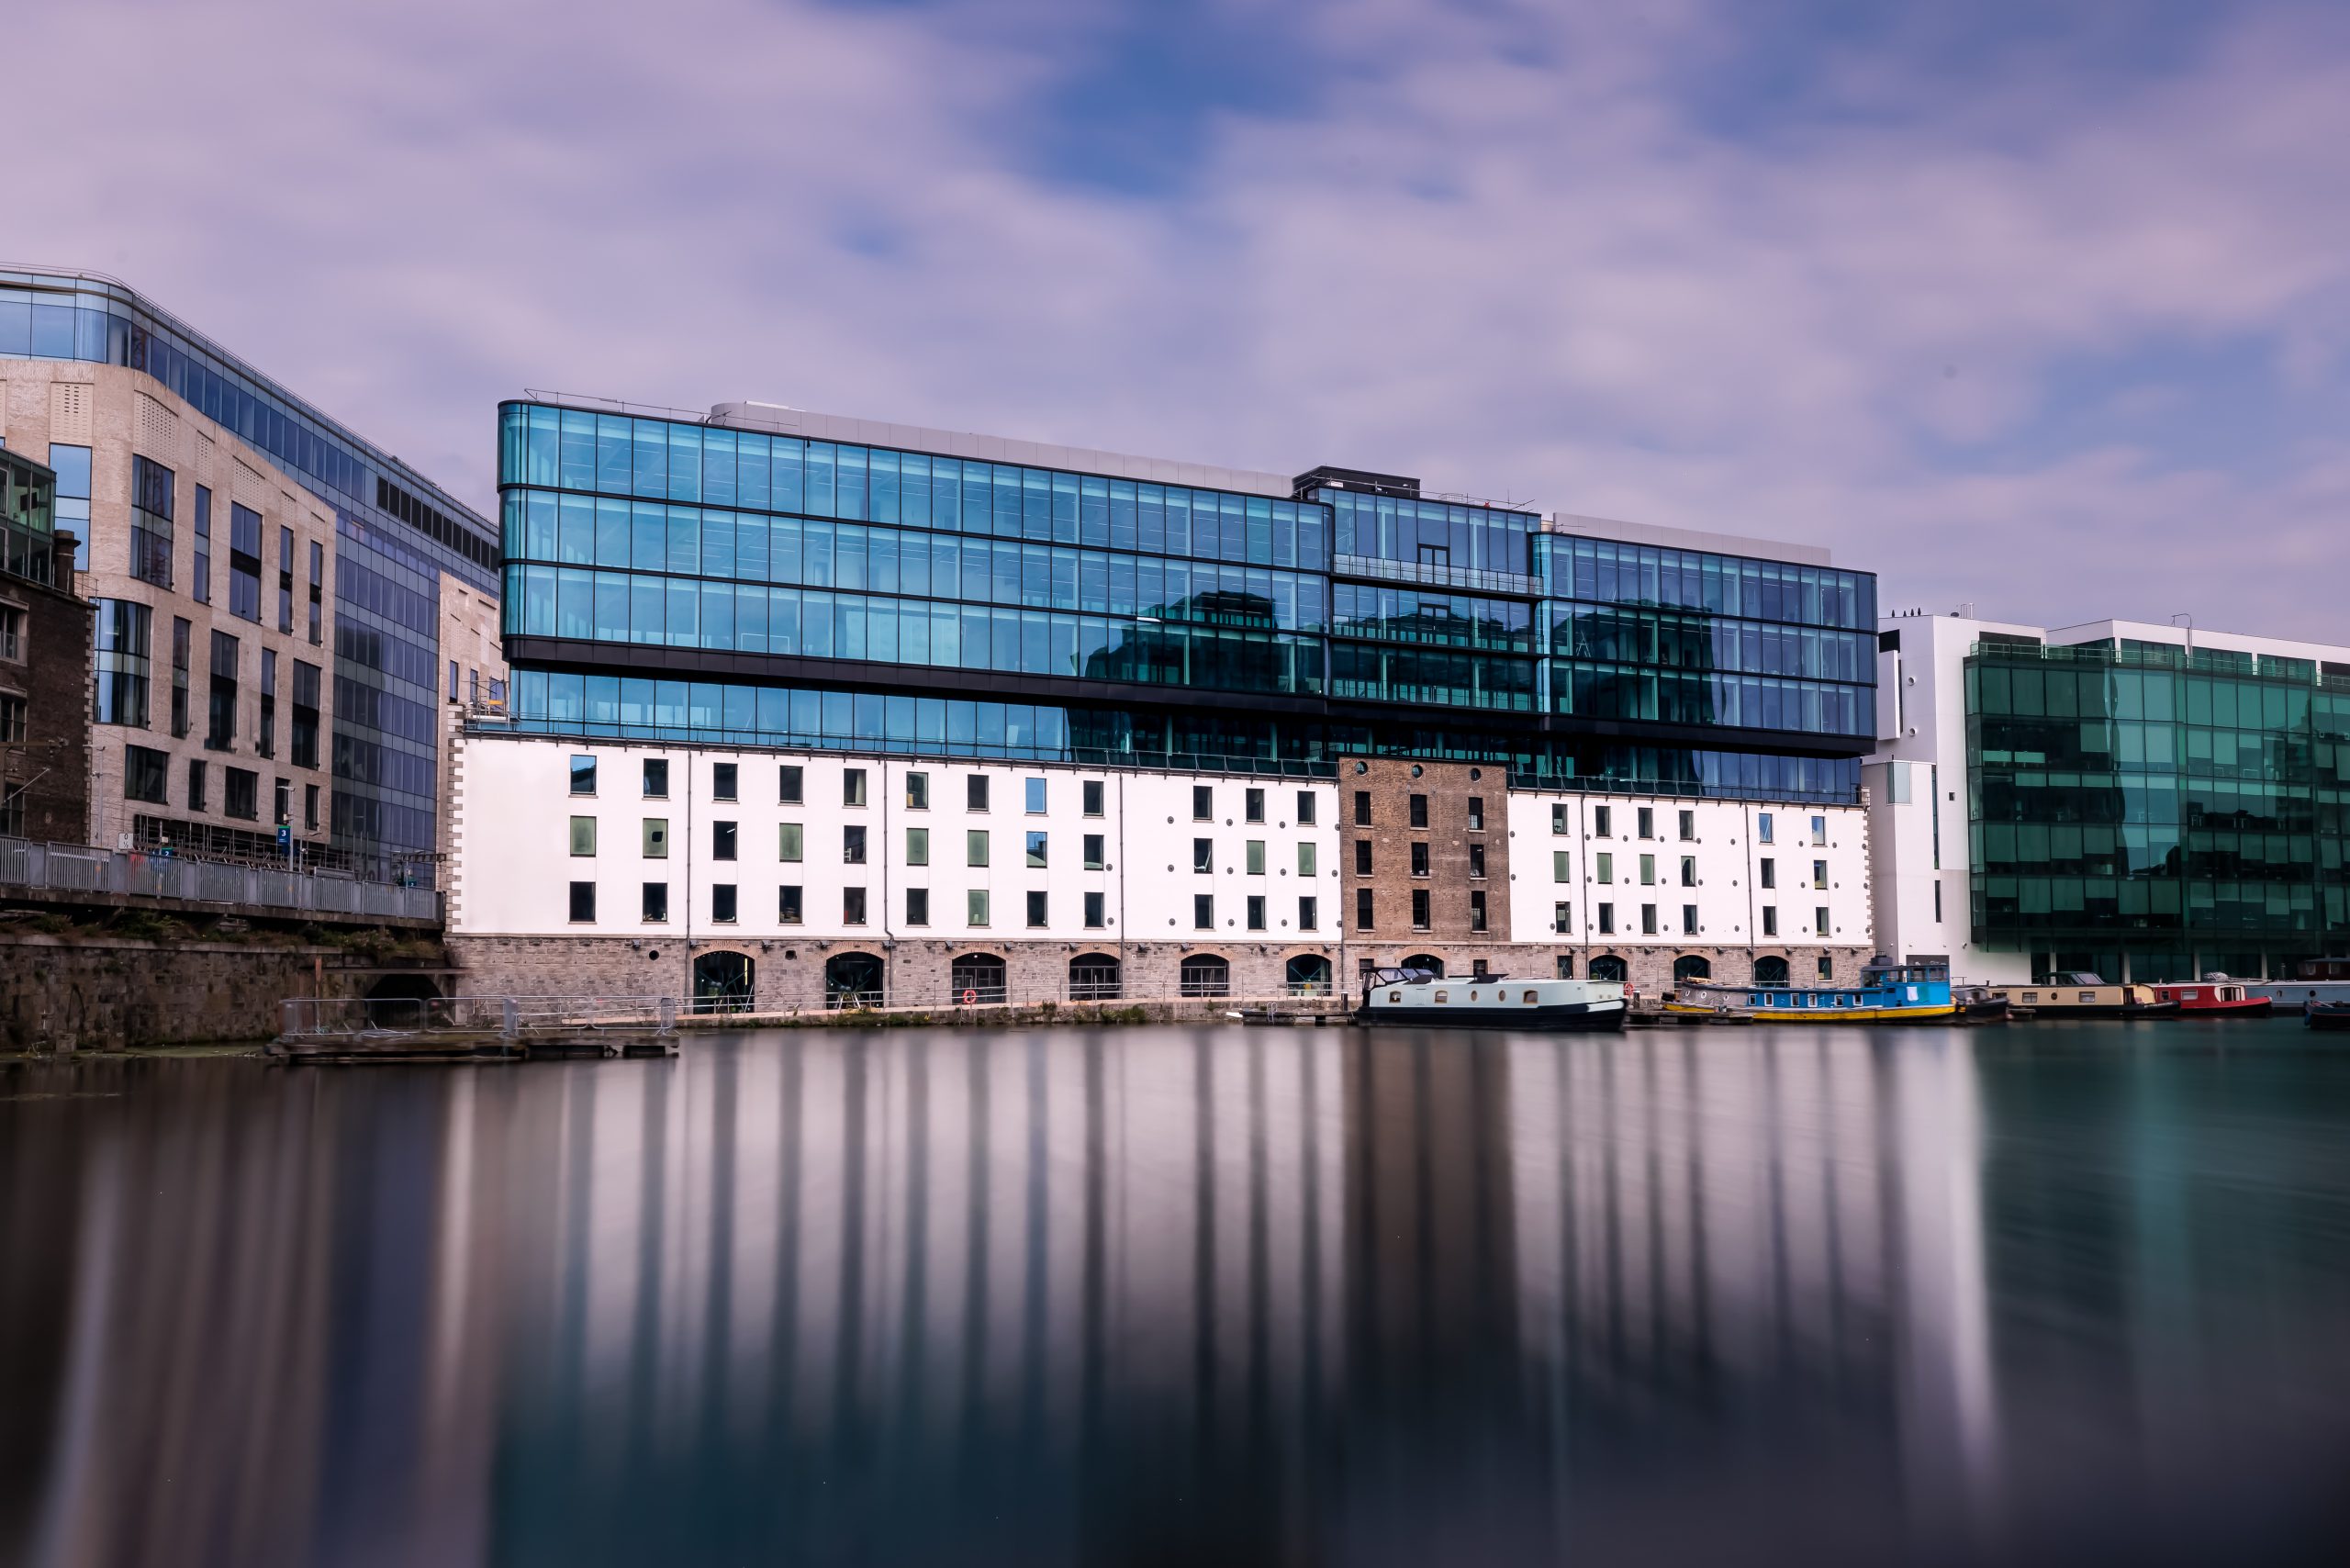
(1428,575)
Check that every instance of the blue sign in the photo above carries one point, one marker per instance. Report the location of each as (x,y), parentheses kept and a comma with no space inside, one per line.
(285,835)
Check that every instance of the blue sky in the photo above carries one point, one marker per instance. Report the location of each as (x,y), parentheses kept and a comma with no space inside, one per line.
(2041,306)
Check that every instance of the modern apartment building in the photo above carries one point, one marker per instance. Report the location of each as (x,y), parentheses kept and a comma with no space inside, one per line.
(2149,802)
(805,704)
(276,597)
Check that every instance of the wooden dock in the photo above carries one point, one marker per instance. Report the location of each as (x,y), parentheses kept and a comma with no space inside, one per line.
(466,1029)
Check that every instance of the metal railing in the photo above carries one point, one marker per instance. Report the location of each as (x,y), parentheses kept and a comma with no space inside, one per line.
(78,868)
(1434,575)
(508,1018)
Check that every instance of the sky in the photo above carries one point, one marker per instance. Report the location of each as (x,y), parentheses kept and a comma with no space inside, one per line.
(2040,307)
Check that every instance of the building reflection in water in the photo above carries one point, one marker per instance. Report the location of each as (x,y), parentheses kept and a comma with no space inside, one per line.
(1144,1296)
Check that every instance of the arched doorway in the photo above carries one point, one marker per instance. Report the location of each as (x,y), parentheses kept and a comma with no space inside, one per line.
(723,982)
(1771,972)
(1427,962)
(1690,966)
(976,977)
(1309,975)
(1093,977)
(1204,974)
(1608,966)
(852,980)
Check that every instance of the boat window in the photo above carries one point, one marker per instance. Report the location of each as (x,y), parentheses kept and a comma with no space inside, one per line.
(1473,996)
(1440,996)
(2089,996)
(1394,996)
(1529,999)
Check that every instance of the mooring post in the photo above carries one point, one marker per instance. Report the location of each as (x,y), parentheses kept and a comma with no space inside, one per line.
(510,1019)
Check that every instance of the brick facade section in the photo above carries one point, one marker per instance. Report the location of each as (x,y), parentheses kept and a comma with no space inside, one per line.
(1391,783)
(52,762)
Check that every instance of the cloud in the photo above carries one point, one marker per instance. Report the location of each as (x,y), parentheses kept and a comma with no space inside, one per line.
(1918,295)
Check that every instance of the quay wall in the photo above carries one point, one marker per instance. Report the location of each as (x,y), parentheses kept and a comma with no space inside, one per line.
(63,994)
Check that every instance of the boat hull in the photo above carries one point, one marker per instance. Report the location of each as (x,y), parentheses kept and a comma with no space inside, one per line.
(2325,1016)
(1925,1013)
(1586,1016)
(2258,1007)
(2052,1010)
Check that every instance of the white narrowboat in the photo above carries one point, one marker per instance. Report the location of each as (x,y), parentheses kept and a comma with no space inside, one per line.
(1429,1000)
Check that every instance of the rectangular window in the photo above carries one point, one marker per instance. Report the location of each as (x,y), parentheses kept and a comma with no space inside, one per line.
(656,902)
(975,907)
(656,838)
(1362,857)
(1761,827)
(453,680)
(1309,914)
(1476,813)
(1202,803)
(1036,911)
(145,775)
(1202,912)
(12,633)
(1600,816)
(722,902)
(305,715)
(1253,852)
(1688,826)
(1094,852)
(1819,874)
(790,842)
(1607,919)
(975,848)
(241,788)
(1306,860)
(282,803)
(1255,910)
(1647,818)
(1819,921)
(1648,871)
(200,585)
(1648,920)
(853,846)
(182,639)
(1688,920)
(1419,859)
(1688,870)
(917,847)
(1035,849)
(1558,823)
(790,781)
(1203,856)
(582,774)
(195,784)
(656,779)
(1306,807)
(1091,793)
(1563,918)
(1476,859)
(265,736)
(1252,805)
(1032,791)
(244,563)
(917,906)
(583,836)
(852,906)
(1362,808)
(723,840)
(1362,910)
(1827,968)
(1094,916)
(852,786)
(221,729)
(310,808)
(1419,811)
(285,580)
(1938,901)
(1477,910)
(1561,865)
(787,907)
(1819,830)
(1419,908)
(1770,920)
(1770,871)
(917,791)
(317,589)
(583,904)
(1604,866)
(151,522)
(975,792)
(72,464)
(722,781)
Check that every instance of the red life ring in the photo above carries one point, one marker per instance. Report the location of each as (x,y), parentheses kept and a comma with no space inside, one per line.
(970,998)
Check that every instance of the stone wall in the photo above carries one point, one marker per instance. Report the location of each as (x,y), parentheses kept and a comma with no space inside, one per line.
(64,993)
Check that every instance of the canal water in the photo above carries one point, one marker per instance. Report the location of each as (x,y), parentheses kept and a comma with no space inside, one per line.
(1218,1296)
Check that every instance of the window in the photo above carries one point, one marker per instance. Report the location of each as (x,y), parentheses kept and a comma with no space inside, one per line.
(791,841)
(12,633)
(975,792)
(1202,803)
(182,636)
(1033,792)
(1091,791)
(1607,919)
(1093,911)
(853,845)
(1309,914)
(1477,910)
(1688,826)
(1203,975)
(722,781)
(583,904)
(1036,911)
(1819,874)
(1563,918)
(221,731)
(1605,863)
(583,834)
(1558,823)
(1819,921)
(1819,830)
(1306,858)
(1419,908)
(917,791)
(123,629)
(1362,857)
(787,787)
(722,902)
(265,737)
(1094,852)
(852,787)
(1938,901)
(200,585)
(1419,859)
(1362,808)
(1827,970)
(1255,910)
(151,522)
(656,779)
(975,848)
(656,902)
(305,715)
(318,588)
(244,565)
(582,774)
(1600,816)
(975,907)
(1476,859)
(1648,871)
(1689,920)
(1770,871)
(1647,822)
(1476,813)
(1419,811)
(282,803)
(1362,910)
(1688,870)
(12,811)
(285,580)
(1560,866)
(917,906)
(453,680)
(1203,856)
(195,784)
(917,847)
(787,904)
(72,464)
(1253,857)
(1566,966)
(310,808)
(852,906)
(1036,848)
(243,788)
(1306,807)
(1202,912)
(1761,827)
(1252,805)
(145,775)
(723,837)
(12,718)
(1770,920)
(656,838)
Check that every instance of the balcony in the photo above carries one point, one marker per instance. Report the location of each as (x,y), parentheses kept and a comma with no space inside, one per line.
(1428,576)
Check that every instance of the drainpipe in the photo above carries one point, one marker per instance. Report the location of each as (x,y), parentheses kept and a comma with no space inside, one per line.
(686,758)
(888,937)
(1753,936)
(1119,865)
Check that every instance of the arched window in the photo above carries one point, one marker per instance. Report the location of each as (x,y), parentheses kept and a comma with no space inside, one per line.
(852,980)
(1607,967)
(723,982)
(1428,962)
(1690,966)
(1204,974)
(1309,975)
(977,977)
(1771,972)
(1093,977)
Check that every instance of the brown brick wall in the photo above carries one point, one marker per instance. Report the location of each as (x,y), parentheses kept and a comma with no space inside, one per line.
(52,762)
(1391,784)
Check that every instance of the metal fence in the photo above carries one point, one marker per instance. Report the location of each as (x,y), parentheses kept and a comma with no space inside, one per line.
(509,1017)
(78,868)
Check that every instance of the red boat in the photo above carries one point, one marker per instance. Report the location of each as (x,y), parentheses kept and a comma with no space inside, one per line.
(2207,1000)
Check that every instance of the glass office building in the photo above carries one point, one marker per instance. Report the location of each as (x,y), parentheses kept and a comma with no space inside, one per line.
(2180,809)
(692,581)
(396,533)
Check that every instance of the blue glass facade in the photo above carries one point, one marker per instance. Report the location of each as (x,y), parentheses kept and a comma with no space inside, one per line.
(824,594)
(396,530)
